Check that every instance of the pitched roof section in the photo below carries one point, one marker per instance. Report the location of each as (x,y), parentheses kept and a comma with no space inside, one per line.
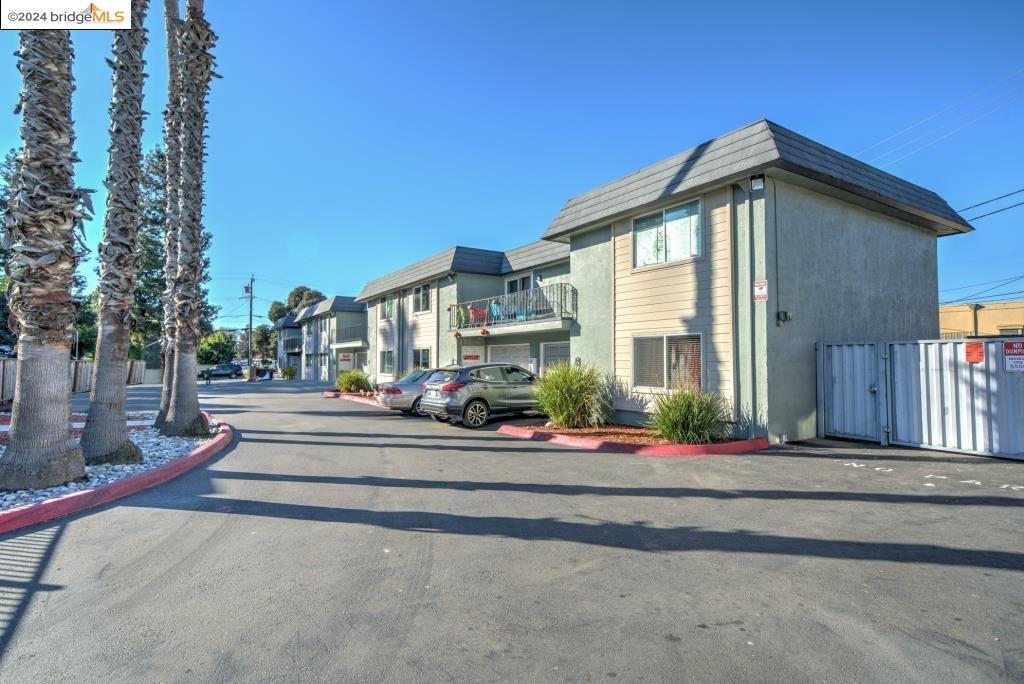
(534,254)
(454,260)
(286,322)
(329,305)
(745,151)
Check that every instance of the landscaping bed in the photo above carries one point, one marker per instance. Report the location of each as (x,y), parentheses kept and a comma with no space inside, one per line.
(157,451)
(624,439)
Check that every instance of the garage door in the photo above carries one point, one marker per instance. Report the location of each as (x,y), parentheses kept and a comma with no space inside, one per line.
(554,352)
(519,354)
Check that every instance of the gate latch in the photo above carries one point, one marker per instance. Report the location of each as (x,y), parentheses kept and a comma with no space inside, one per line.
(872,388)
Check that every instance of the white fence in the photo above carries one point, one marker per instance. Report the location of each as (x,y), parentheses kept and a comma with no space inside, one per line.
(81,376)
(963,395)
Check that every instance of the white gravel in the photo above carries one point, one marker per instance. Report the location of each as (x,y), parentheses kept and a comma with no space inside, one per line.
(157,450)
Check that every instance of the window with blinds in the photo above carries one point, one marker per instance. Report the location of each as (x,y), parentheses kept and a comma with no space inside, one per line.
(667,361)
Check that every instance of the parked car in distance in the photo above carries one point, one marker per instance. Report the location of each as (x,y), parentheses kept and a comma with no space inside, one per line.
(404,394)
(471,394)
(224,370)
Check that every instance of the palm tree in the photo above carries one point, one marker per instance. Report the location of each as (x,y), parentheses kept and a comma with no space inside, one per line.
(183,414)
(43,216)
(172,145)
(105,439)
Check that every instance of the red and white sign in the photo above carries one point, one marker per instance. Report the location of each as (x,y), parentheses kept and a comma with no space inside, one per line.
(760,290)
(1013,357)
(974,352)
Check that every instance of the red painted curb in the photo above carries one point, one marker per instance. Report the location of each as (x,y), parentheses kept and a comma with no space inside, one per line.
(663,450)
(358,398)
(33,514)
(331,394)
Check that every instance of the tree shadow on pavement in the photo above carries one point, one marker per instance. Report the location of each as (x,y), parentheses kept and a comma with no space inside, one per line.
(628,536)
(603,490)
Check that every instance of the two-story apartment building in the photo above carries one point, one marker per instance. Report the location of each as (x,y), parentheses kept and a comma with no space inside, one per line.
(333,334)
(722,266)
(719,267)
(289,343)
(466,305)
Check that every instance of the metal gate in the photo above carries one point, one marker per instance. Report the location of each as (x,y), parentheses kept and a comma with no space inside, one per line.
(954,395)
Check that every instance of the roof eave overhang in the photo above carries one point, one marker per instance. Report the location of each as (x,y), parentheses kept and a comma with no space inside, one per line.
(941,225)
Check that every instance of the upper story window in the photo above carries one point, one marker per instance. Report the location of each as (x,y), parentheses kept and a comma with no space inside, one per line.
(519,284)
(421,298)
(387,307)
(671,235)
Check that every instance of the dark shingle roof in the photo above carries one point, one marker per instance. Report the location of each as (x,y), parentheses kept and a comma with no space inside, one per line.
(534,254)
(286,322)
(454,260)
(329,305)
(751,149)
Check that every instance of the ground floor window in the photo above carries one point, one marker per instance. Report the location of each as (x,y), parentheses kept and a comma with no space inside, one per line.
(387,362)
(552,353)
(667,361)
(421,358)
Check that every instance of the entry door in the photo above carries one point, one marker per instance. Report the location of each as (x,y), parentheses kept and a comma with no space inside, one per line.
(518,354)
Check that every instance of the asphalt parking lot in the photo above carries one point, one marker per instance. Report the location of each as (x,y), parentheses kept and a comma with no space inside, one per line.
(338,542)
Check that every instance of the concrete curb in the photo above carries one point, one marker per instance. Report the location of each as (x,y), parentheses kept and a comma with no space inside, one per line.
(33,514)
(331,394)
(357,398)
(662,450)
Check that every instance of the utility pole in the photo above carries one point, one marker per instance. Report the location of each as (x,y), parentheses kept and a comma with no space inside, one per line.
(248,293)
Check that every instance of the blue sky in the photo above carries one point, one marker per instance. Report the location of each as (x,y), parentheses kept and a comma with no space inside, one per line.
(350,139)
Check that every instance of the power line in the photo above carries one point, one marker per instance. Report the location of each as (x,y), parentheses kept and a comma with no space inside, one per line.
(989,201)
(981,292)
(964,287)
(941,111)
(952,132)
(947,124)
(996,211)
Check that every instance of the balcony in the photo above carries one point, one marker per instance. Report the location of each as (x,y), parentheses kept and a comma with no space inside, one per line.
(292,345)
(541,308)
(352,336)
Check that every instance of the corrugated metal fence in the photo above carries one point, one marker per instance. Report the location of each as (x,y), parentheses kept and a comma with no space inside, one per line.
(81,376)
(961,395)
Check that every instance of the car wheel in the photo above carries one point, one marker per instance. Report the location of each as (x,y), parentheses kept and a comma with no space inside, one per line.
(475,414)
(440,419)
(415,410)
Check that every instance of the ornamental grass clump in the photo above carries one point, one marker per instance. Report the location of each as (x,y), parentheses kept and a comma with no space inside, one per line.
(689,416)
(574,396)
(352,381)
(288,372)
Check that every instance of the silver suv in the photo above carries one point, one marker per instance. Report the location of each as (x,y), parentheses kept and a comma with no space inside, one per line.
(472,394)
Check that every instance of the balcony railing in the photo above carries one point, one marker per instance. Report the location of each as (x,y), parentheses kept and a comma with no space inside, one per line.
(351,332)
(292,345)
(549,302)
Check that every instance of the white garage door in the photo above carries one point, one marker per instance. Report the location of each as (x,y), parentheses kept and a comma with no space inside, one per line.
(554,352)
(519,354)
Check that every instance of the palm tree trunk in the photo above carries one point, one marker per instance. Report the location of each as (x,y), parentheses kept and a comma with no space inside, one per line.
(183,415)
(42,219)
(105,439)
(172,146)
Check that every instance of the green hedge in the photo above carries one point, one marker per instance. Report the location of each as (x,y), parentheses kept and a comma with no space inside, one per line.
(352,381)
(574,396)
(689,416)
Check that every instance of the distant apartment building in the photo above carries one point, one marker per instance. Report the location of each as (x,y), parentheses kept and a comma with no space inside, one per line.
(981,319)
(333,338)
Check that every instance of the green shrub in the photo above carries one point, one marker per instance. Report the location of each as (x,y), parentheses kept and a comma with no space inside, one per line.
(574,396)
(288,372)
(689,416)
(352,381)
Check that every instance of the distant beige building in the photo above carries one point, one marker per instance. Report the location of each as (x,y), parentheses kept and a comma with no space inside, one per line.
(988,318)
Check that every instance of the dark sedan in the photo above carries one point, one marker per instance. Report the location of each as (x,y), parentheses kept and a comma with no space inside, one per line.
(224,370)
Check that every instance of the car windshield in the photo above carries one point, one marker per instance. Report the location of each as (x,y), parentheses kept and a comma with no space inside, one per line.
(415,376)
(443,376)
